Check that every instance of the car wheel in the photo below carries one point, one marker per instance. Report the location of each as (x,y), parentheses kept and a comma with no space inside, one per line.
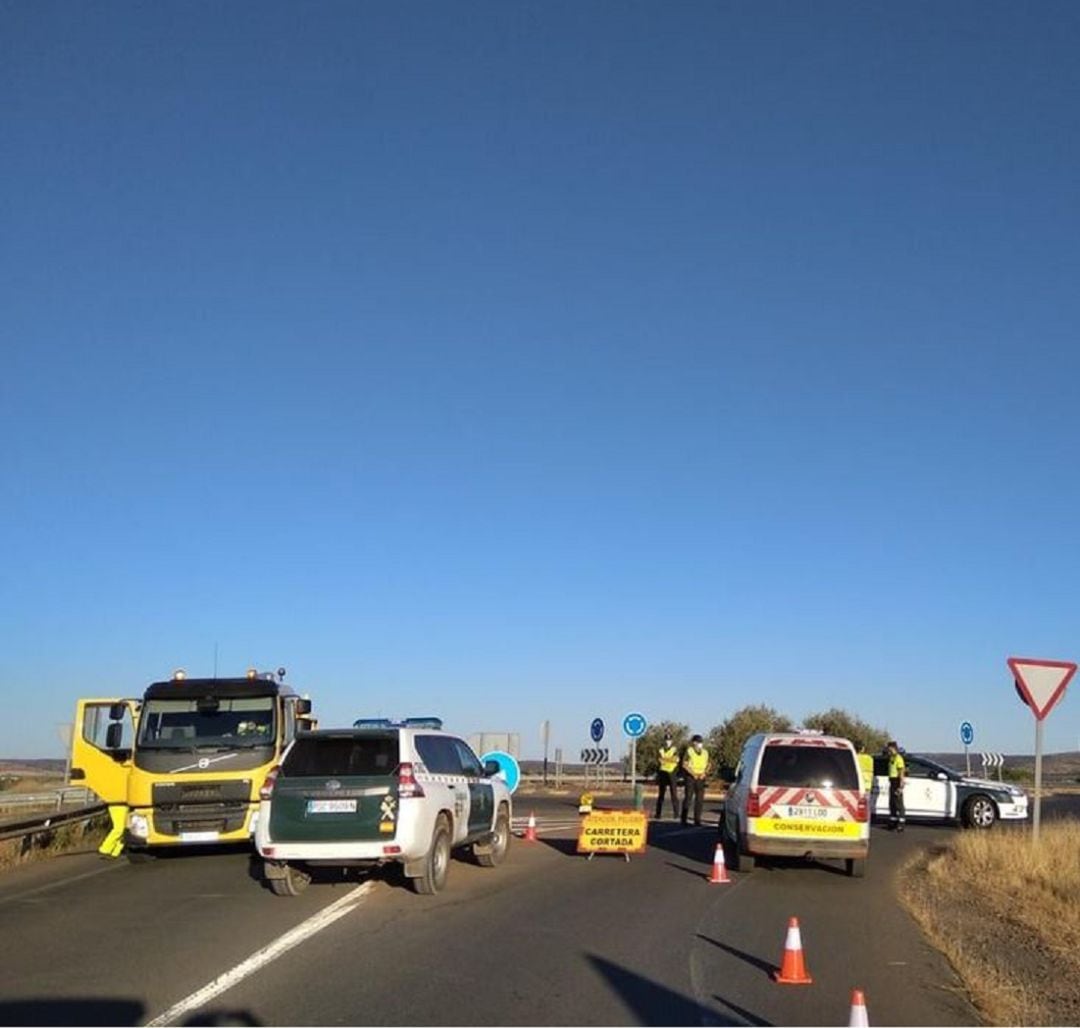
(855,867)
(740,859)
(979,812)
(493,853)
(437,862)
(292,883)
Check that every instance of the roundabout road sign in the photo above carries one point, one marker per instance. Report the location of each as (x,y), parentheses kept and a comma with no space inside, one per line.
(634,725)
(596,729)
(509,770)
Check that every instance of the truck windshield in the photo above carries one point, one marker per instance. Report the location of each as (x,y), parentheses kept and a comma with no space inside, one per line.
(189,724)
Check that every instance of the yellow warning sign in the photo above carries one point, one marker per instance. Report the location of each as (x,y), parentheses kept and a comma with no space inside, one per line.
(613,831)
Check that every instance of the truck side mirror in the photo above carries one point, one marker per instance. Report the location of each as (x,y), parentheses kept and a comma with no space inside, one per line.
(117,711)
(303,706)
(114,736)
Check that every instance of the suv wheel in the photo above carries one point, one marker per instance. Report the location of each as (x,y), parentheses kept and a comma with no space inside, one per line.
(292,883)
(979,812)
(437,861)
(492,853)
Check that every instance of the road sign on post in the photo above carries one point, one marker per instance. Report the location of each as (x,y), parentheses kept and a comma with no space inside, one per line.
(634,726)
(1041,684)
(596,729)
(967,737)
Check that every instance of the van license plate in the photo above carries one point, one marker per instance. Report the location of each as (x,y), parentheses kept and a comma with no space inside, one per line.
(331,806)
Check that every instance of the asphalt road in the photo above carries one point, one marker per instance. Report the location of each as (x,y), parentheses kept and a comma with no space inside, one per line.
(548,938)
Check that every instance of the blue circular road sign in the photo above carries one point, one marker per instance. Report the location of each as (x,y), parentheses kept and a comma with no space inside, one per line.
(634,725)
(509,770)
(967,733)
(596,729)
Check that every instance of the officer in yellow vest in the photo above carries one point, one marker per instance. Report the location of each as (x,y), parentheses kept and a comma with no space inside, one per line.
(897,773)
(695,766)
(866,768)
(665,777)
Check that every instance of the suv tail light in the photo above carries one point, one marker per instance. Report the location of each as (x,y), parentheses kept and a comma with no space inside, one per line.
(408,786)
(267,789)
(753,804)
(862,811)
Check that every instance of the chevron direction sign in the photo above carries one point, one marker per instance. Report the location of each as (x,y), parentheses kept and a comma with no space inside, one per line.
(594,756)
(993,759)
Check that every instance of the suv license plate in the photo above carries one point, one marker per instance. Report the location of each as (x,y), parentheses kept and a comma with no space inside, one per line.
(331,806)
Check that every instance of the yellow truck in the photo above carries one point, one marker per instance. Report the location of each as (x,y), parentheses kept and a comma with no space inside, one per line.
(183,764)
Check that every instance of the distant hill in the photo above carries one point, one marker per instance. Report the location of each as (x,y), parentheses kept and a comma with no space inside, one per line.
(1058,768)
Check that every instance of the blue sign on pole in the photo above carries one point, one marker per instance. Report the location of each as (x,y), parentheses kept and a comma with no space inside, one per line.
(634,725)
(967,733)
(509,770)
(596,729)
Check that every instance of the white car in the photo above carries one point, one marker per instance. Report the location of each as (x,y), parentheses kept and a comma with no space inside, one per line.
(933,792)
(381,792)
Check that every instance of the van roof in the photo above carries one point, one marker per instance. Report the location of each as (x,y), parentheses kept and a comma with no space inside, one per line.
(805,739)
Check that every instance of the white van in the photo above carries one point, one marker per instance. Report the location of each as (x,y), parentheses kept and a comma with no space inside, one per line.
(797,794)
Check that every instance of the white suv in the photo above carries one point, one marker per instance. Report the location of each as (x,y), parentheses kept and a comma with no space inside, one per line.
(381,792)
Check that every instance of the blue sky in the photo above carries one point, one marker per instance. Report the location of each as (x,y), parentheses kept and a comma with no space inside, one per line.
(519,361)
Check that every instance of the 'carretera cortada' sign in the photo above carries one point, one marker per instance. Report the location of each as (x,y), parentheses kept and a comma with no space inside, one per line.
(613,831)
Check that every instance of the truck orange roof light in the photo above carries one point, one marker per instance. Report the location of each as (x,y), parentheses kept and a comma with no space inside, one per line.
(179,675)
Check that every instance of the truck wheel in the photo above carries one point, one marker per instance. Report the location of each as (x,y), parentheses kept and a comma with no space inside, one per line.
(140,856)
(437,862)
(292,883)
(855,867)
(492,853)
(979,812)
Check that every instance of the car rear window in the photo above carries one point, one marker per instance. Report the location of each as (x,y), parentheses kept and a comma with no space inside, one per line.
(810,767)
(342,755)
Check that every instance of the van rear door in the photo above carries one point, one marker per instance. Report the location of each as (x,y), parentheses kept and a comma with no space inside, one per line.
(808,788)
(337,788)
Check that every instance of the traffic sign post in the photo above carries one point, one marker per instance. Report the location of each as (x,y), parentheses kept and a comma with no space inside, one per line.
(634,726)
(596,733)
(1041,684)
(967,737)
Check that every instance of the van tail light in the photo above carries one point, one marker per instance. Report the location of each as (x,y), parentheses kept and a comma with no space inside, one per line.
(862,811)
(753,804)
(408,786)
(267,789)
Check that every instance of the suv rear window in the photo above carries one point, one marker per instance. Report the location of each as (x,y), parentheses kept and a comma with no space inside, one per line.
(809,767)
(312,756)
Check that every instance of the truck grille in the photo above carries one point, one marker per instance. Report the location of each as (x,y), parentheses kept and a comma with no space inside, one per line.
(220,806)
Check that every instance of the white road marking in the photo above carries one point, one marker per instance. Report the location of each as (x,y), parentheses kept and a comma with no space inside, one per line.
(305,930)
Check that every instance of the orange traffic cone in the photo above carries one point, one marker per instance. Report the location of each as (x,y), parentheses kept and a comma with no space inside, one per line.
(530,830)
(719,875)
(858,1018)
(793,970)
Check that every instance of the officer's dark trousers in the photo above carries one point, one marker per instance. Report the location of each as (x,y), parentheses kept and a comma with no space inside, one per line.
(666,780)
(896,802)
(695,789)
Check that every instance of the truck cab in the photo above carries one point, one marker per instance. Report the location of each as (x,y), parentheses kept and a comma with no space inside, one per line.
(189,757)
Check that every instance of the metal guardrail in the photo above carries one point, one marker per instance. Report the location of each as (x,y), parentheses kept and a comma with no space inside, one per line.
(57,798)
(49,822)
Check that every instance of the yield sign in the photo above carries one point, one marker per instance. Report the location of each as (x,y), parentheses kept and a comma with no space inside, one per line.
(1042,682)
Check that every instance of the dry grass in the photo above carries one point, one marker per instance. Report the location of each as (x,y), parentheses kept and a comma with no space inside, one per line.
(1007,915)
(63,839)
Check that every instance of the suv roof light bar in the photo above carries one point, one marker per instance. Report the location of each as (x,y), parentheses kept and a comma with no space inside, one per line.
(409,722)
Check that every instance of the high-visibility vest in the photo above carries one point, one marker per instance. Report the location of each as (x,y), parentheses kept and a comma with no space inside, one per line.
(696,762)
(896,766)
(866,770)
(669,758)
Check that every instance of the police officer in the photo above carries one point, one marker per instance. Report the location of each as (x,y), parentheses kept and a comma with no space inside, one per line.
(665,777)
(695,765)
(897,772)
(866,768)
